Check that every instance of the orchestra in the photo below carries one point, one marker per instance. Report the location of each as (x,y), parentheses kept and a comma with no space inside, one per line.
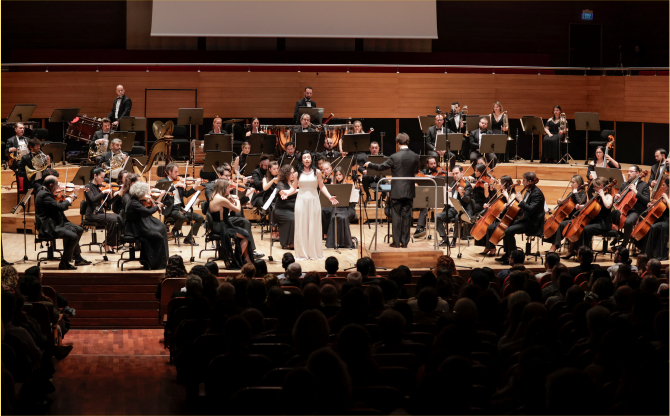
(499,209)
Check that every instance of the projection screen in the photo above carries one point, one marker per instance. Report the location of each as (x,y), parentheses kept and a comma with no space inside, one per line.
(315,19)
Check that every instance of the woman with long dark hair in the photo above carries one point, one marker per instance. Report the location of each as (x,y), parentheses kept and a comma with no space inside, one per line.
(551,141)
(308,229)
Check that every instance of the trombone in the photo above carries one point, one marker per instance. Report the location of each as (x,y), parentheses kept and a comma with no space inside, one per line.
(505,124)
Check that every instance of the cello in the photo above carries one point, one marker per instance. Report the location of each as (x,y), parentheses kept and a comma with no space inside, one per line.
(591,209)
(654,212)
(561,212)
(495,208)
(627,199)
(509,217)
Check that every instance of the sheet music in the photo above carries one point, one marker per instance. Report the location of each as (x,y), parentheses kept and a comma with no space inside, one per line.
(194,198)
(355,193)
(269,201)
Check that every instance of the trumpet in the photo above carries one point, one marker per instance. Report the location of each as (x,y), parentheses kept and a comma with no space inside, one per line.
(40,162)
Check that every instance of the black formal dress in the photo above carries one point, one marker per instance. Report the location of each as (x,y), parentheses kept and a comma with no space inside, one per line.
(298,104)
(643,197)
(94,197)
(551,146)
(222,225)
(657,238)
(51,221)
(496,125)
(284,215)
(403,163)
(449,213)
(529,220)
(579,198)
(124,108)
(149,231)
(174,208)
(344,216)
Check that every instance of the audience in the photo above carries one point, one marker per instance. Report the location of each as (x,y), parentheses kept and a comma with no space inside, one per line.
(332,264)
(293,274)
(585,259)
(516,259)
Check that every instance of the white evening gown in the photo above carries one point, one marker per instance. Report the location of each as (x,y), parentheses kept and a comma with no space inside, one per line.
(308,233)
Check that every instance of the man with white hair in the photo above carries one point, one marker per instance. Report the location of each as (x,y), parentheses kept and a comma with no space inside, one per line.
(121,106)
(293,275)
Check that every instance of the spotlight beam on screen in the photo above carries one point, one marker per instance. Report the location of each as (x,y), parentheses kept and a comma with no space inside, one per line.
(399,19)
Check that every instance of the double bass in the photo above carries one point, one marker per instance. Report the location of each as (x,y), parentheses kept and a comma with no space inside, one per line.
(627,199)
(496,207)
(508,218)
(591,209)
(561,212)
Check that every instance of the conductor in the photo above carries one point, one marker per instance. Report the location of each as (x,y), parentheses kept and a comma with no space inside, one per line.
(403,163)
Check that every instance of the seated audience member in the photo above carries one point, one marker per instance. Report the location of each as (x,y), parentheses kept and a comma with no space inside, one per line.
(355,278)
(550,260)
(293,275)
(213,268)
(552,289)
(353,346)
(332,264)
(175,268)
(270,281)
(10,278)
(516,259)
(565,281)
(286,259)
(641,263)
(248,271)
(585,259)
(261,267)
(653,269)
(622,257)
(427,312)
(329,298)
(427,280)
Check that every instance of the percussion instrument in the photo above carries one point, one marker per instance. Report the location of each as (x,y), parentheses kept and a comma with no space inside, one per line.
(83,128)
(284,134)
(198,152)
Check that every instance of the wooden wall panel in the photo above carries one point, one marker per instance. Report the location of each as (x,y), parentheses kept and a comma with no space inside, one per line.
(371,95)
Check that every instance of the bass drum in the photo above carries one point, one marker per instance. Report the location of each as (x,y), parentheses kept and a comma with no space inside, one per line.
(83,128)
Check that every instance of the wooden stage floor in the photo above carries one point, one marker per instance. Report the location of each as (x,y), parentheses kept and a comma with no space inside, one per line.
(13,251)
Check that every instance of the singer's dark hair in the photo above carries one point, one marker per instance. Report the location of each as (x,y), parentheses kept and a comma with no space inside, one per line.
(300,167)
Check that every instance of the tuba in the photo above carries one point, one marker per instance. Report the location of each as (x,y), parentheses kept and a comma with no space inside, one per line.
(39,162)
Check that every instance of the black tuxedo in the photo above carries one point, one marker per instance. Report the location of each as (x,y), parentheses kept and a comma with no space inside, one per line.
(257,200)
(654,172)
(529,220)
(14,142)
(475,139)
(449,214)
(51,221)
(643,197)
(331,155)
(299,129)
(176,211)
(431,138)
(403,163)
(450,122)
(27,162)
(300,103)
(366,179)
(124,108)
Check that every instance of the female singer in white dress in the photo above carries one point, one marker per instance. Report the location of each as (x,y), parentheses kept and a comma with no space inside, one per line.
(308,233)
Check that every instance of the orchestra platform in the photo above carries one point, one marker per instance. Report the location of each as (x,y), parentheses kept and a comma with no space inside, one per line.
(105,297)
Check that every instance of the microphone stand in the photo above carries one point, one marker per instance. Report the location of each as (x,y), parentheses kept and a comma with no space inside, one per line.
(97,210)
(22,206)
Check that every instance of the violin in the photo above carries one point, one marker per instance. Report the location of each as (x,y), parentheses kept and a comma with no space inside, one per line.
(188,181)
(485,178)
(592,208)
(561,212)
(113,186)
(67,190)
(496,207)
(509,217)
(627,199)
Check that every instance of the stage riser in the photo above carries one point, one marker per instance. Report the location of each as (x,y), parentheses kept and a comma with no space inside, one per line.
(411,259)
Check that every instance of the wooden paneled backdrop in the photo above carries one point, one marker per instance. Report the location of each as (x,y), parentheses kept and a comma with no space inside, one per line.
(369,95)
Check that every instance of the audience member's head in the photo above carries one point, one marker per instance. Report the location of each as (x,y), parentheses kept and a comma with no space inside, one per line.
(293,271)
(641,263)
(332,381)
(623,298)
(585,255)
(175,267)
(654,268)
(256,293)
(261,267)
(311,332)
(355,278)
(516,258)
(649,283)
(270,280)
(248,271)
(255,319)
(479,278)
(225,291)
(287,259)
(363,266)
(392,326)
(329,295)
(427,279)
(565,281)
(332,264)
(551,260)
(212,267)
(465,311)
(193,285)
(623,256)
(389,290)
(311,277)
(10,277)
(603,288)
(445,262)
(312,295)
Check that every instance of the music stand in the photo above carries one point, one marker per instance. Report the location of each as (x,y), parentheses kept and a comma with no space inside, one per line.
(342,192)
(190,117)
(306,141)
(378,160)
(462,215)
(22,207)
(426,122)
(587,121)
(493,142)
(472,122)
(293,162)
(315,114)
(425,199)
(355,143)
(253,160)
(216,159)
(262,143)
(55,151)
(127,140)
(218,142)
(611,173)
(455,141)
(532,125)
(64,115)
(128,123)
(21,113)
(83,175)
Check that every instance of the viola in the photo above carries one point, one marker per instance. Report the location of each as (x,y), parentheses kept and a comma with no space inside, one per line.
(561,212)
(654,212)
(496,207)
(592,208)
(508,218)
(627,199)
